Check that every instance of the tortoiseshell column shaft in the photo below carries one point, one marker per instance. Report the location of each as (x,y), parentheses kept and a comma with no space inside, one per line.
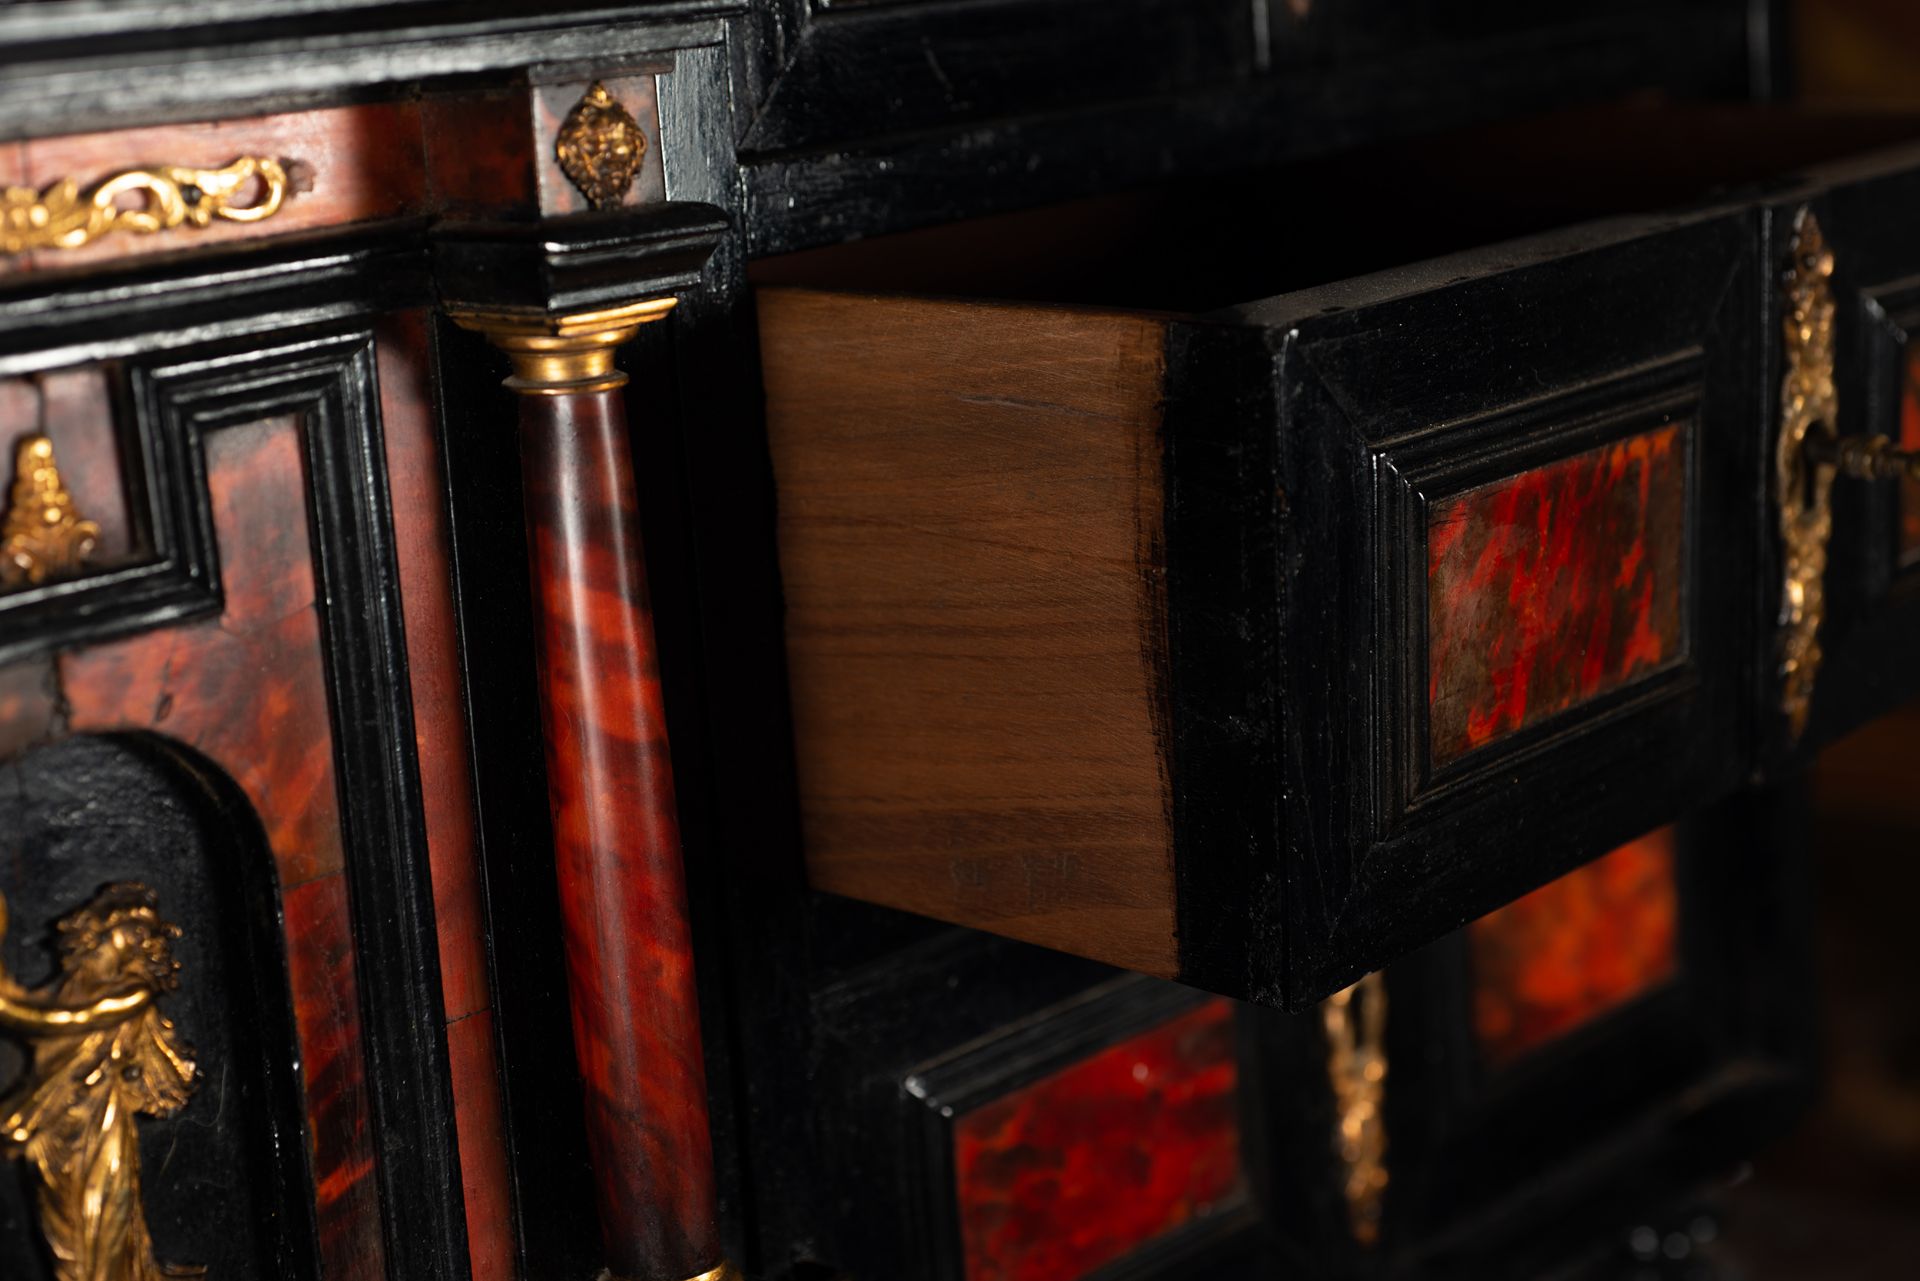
(629,953)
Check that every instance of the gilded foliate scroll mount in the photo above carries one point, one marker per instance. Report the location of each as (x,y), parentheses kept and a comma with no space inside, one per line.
(43,538)
(1355,1021)
(600,147)
(61,217)
(102,1055)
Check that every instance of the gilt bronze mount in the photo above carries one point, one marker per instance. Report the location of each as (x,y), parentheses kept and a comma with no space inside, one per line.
(169,196)
(600,147)
(1804,472)
(43,538)
(1355,1019)
(102,1055)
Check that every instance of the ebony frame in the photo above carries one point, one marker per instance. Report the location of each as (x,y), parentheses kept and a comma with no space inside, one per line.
(860,118)
(1652,1098)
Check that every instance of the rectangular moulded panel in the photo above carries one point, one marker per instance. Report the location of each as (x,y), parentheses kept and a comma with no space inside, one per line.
(1552,587)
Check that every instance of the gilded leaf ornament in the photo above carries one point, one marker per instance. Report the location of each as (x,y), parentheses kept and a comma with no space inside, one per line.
(102,1056)
(63,217)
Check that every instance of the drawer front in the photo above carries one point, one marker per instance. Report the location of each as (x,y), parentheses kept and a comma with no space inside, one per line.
(1005,1114)
(1865,620)
(1460,563)
(1594,1049)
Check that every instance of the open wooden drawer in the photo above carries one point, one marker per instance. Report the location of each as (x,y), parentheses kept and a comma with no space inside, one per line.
(1257,646)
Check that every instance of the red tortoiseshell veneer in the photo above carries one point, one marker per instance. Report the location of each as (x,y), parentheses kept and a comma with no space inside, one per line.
(1571,951)
(1910,439)
(416,484)
(1552,587)
(248,689)
(1059,1178)
(616,842)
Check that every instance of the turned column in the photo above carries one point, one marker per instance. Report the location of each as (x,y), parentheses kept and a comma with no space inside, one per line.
(629,956)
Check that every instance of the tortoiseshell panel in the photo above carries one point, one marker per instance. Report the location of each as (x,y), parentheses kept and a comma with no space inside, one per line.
(1061,1177)
(417,488)
(248,689)
(1571,951)
(1549,588)
(1910,439)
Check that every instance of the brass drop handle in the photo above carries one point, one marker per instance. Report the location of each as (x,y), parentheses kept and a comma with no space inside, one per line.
(1864,457)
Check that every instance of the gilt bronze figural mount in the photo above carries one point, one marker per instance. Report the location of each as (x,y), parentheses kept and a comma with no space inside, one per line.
(102,1054)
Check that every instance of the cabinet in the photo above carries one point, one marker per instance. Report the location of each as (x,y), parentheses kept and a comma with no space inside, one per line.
(535,772)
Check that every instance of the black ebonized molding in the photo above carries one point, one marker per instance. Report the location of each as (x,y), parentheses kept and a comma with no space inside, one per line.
(329,380)
(175,574)
(56,318)
(868,180)
(588,261)
(1227,620)
(89,64)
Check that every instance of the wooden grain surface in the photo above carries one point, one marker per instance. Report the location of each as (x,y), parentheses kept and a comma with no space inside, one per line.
(970,542)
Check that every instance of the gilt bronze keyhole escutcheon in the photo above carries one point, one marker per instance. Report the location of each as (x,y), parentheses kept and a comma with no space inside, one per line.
(101,1056)
(1810,456)
(1803,474)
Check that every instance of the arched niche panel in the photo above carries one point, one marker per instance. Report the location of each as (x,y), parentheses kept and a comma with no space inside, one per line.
(225,1180)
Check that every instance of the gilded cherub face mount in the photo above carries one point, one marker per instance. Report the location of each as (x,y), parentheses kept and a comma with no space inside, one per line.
(102,1055)
(600,148)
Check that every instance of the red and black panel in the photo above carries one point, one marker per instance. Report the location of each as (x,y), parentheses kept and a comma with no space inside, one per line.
(1103,1133)
(1129,1144)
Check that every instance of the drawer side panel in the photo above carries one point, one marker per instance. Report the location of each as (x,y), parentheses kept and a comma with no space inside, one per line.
(970,541)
